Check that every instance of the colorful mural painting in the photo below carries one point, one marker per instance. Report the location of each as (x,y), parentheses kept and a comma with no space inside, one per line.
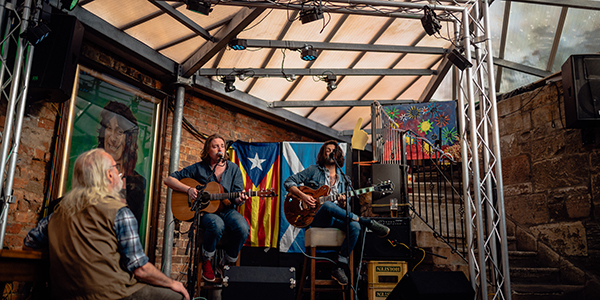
(433,121)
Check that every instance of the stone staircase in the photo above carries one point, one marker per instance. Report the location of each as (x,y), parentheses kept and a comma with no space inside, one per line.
(537,272)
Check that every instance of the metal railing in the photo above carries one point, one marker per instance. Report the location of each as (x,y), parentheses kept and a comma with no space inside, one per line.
(432,179)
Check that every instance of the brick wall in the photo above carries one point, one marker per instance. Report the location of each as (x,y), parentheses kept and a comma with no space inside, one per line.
(209,117)
(551,178)
(33,169)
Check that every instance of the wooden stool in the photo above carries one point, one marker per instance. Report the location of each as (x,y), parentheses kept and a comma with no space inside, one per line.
(322,238)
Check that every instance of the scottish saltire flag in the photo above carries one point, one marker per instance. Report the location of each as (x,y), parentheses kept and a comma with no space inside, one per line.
(296,157)
(260,164)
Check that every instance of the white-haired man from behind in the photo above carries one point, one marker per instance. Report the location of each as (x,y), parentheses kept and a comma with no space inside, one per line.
(92,237)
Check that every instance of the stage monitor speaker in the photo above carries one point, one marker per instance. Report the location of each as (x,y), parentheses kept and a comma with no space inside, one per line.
(581,89)
(384,172)
(257,283)
(433,286)
(389,248)
(55,60)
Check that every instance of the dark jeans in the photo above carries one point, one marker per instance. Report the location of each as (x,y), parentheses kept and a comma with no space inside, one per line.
(331,215)
(155,293)
(214,226)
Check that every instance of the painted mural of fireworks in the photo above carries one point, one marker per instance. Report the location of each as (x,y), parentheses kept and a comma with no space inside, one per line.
(433,109)
(449,135)
(413,112)
(442,120)
(392,111)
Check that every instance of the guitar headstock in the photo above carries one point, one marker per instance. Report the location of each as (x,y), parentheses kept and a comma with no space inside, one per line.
(385,187)
(266,193)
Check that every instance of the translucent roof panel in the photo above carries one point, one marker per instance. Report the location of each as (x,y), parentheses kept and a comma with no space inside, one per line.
(578,39)
(531,38)
(531,33)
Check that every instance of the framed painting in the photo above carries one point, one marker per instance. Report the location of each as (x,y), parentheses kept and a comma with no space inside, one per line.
(107,113)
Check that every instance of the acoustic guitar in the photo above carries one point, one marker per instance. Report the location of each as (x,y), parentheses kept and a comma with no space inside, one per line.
(212,199)
(300,214)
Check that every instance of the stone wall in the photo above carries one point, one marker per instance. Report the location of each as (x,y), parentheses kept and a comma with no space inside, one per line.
(551,177)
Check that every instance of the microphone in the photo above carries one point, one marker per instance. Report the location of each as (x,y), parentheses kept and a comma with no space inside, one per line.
(332,155)
(220,155)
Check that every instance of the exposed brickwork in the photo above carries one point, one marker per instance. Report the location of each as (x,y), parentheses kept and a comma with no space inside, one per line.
(32,174)
(551,178)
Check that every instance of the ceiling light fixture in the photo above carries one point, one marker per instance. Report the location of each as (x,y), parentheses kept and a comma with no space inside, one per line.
(311,14)
(308,53)
(459,60)
(237,44)
(37,34)
(330,78)
(199,6)
(430,22)
(229,80)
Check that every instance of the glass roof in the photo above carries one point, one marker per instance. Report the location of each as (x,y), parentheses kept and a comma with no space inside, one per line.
(534,36)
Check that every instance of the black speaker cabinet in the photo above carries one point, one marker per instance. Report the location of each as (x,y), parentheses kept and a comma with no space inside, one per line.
(388,248)
(55,60)
(581,89)
(433,286)
(385,172)
(257,283)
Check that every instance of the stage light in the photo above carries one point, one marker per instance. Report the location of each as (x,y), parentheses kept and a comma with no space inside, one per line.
(459,60)
(68,4)
(308,53)
(311,14)
(430,22)
(37,34)
(237,44)
(199,6)
(229,80)
(330,78)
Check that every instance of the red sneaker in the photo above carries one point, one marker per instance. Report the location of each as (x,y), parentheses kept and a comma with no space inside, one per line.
(207,271)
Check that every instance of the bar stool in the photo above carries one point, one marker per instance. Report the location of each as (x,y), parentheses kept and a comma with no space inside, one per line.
(314,239)
(218,283)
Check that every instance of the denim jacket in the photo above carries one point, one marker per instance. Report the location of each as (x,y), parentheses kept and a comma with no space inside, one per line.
(231,181)
(312,177)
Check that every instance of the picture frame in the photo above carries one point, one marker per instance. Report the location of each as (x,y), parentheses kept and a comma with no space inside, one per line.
(105,112)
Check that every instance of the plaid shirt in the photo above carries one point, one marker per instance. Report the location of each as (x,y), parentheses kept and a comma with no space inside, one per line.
(126,229)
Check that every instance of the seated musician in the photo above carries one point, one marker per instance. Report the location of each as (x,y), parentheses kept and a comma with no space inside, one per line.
(94,248)
(330,214)
(214,167)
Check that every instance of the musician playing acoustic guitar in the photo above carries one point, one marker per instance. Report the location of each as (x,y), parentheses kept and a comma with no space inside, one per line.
(215,167)
(331,214)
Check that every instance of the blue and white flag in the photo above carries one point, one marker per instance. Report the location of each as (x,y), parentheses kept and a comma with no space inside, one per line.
(296,156)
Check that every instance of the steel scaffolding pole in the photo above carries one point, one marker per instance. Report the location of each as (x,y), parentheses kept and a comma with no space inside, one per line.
(8,140)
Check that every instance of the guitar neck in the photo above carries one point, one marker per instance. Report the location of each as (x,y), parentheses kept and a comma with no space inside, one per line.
(221,196)
(348,194)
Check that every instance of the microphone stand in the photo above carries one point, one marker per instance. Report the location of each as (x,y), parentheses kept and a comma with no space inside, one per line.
(349,188)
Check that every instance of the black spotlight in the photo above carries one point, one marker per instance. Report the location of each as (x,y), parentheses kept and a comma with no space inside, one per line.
(311,14)
(459,60)
(330,78)
(199,6)
(430,22)
(37,34)
(68,4)
(237,44)
(308,53)
(229,80)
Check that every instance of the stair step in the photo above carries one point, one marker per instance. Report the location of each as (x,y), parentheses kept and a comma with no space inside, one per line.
(523,259)
(534,275)
(547,292)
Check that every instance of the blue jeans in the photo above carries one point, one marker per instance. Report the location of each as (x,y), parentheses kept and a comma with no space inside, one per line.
(331,215)
(215,225)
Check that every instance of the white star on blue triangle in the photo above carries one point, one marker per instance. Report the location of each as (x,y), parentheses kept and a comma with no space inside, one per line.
(256,162)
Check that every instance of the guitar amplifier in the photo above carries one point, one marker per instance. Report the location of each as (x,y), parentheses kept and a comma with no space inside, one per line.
(251,283)
(389,248)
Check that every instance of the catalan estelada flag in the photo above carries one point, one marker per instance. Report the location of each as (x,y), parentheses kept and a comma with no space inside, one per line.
(260,165)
